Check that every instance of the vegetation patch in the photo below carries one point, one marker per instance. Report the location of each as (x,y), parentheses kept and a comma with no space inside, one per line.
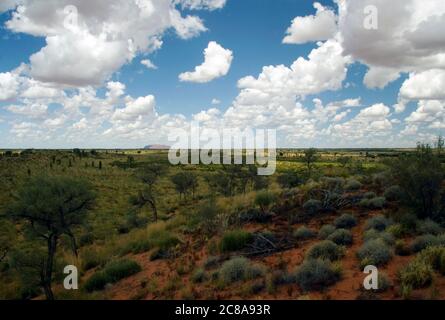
(317,274)
(326,250)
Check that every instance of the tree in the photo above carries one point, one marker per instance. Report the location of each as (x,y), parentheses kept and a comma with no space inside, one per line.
(420,175)
(310,157)
(185,182)
(149,176)
(51,207)
(7,238)
(440,144)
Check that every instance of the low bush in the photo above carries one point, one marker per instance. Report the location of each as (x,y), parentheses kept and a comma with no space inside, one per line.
(374,252)
(402,249)
(423,242)
(198,276)
(374,234)
(326,231)
(434,256)
(377,203)
(238,269)
(379,223)
(327,250)
(341,237)
(304,233)
(264,199)
(397,230)
(352,185)
(393,193)
(317,274)
(235,240)
(417,274)
(369,195)
(345,221)
(312,207)
(429,227)
(211,262)
(112,273)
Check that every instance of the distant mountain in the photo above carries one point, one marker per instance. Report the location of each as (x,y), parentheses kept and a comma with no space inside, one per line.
(156,147)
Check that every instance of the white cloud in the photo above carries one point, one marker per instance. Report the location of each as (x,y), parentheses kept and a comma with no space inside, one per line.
(216,101)
(202,4)
(424,85)
(147,63)
(379,77)
(9,85)
(217,62)
(108,34)
(33,110)
(134,109)
(322,26)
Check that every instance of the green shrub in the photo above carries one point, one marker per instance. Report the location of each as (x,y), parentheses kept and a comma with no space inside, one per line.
(235,240)
(316,274)
(429,227)
(379,223)
(325,250)
(434,256)
(384,283)
(198,276)
(402,249)
(374,252)
(393,193)
(417,274)
(326,231)
(112,273)
(353,185)
(264,199)
(424,241)
(345,221)
(377,203)
(303,233)
(238,269)
(369,195)
(397,230)
(92,258)
(312,207)
(373,234)
(341,237)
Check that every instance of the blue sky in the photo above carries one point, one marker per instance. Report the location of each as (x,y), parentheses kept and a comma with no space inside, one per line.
(55,88)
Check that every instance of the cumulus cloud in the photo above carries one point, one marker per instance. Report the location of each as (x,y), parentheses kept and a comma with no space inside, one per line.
(202,4)
(86,42)
(217,62)
(321,26)
(9,85)
(428,84)
(148,64)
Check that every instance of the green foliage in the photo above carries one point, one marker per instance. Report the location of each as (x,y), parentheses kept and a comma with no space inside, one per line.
(312,206)
(185,182)
(289,180)
(374,252)
(327,250)
(352,185)
(379,223)
(198,276)
(345,221)
(402,249)
(417,274)
(374,203)
(316,274)
(420,176)
(393,193)
(429,227)
(304,233)
(112,273)
(206,217)
(423,242)
(341,237)
(235,240)
(264,199)
(373,234)
(326,231)
(238,269)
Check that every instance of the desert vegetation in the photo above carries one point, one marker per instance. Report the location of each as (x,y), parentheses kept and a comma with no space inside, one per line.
(137,227)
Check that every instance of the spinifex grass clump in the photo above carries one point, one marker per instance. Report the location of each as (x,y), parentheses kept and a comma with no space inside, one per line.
(326,250)
(375,252)
(112,273)
(235,240)
(316,274)
(238,269)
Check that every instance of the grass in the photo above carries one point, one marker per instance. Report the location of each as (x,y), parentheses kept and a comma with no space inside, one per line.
(112,273)
(374,252)
(327,250)
(317,274)
(235,240)
(238,269)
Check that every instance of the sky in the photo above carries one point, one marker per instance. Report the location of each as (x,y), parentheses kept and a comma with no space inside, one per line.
(125,74)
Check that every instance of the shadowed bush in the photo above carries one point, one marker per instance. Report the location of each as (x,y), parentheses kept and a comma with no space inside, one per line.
(112,273)
(424,241)
(326,250)
(235,240)
(345,221)
(352,185)
(374,234)
(393,193)
(312,207)
(304,233)
(326,231)
(374,252)
(379,223)
(316,274)
(238,269)
(341,237)
(429,227)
